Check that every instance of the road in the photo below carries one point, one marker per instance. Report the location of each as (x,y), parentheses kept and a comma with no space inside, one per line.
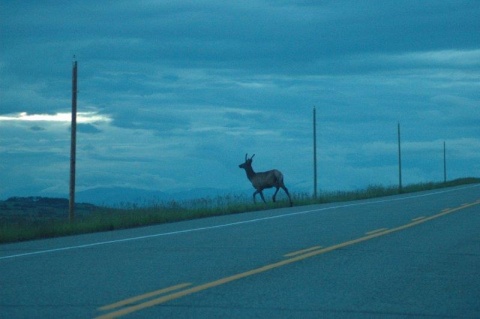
(413,255)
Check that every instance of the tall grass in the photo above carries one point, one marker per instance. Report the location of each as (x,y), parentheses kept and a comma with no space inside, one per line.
(129,216)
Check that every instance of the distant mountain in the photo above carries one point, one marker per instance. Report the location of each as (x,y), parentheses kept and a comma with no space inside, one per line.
(128,196)
(200,193)
(124,196)
(118,196)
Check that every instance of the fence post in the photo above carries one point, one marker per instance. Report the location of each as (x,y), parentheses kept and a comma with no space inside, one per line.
(314,153)
(73,146)
(399,162)
(444,163)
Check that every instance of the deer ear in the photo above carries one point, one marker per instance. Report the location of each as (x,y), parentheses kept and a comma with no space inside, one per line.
(252,157)
(246,156)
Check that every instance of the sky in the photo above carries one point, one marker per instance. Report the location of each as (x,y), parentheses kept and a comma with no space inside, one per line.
(173,94)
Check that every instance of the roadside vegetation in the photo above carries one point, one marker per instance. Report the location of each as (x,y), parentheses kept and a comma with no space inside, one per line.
(18,223)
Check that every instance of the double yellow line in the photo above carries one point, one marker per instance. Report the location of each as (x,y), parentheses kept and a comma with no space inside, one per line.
(133,300)
(131,305)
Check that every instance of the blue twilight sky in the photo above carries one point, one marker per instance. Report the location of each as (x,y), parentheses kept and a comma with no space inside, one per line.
(172,94)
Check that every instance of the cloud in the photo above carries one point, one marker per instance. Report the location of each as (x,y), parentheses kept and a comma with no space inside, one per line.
(82,117)
(37,128)
(447,58)
(88,128)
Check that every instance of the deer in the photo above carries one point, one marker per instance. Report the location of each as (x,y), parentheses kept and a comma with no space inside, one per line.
(263,180)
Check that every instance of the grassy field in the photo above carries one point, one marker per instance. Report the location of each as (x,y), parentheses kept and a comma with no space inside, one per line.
(18,223)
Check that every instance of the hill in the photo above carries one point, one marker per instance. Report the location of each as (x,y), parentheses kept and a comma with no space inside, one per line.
(33,209)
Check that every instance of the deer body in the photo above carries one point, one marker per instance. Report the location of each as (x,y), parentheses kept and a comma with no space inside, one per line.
(263,180)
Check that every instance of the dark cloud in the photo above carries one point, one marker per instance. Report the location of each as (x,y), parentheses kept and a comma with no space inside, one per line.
(259,36)
(88,129)
(37,128)
(161,119)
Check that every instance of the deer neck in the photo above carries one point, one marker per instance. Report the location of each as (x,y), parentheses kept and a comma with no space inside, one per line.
(250,172)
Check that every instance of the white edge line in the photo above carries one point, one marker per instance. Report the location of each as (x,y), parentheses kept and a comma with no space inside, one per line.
(40,252)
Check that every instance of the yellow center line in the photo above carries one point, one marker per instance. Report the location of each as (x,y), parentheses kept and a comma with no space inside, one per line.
(376,231)
(299,252)
(141,297)
(222,281)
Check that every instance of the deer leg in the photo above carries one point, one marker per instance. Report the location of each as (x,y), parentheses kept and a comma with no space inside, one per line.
(261,195)
(275,194)
(286,192)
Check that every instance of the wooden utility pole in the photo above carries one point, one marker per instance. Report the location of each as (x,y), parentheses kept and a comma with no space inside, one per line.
(314,153)
(399,162)
(444,162)
(73,146)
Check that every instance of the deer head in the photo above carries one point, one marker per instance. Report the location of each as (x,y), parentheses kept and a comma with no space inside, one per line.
(248,162)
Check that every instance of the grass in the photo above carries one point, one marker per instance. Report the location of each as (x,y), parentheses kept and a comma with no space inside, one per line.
(130,216)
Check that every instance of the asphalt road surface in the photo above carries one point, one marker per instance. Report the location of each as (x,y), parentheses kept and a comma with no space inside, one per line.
(415,255)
